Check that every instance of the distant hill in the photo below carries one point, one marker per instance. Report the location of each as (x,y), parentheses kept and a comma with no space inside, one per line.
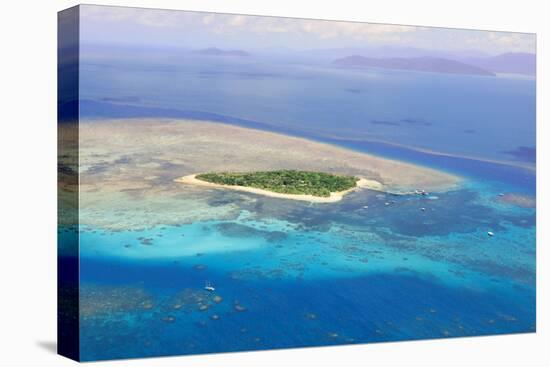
(213,51)
(512,62)
(427,64)
(395,51)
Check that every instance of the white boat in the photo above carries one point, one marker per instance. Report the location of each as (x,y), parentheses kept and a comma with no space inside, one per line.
(208,286)
(490,234)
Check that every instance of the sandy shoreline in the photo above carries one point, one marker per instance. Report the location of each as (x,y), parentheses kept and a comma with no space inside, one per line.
(146,147)
(128,166)
(334,196)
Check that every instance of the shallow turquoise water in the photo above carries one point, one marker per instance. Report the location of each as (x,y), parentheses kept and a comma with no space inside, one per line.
(317,275)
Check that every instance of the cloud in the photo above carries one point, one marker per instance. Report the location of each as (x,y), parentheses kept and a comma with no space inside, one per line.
(501,41)
(354,30)
(262,31)
(322,29)
(157,18)
(220,23)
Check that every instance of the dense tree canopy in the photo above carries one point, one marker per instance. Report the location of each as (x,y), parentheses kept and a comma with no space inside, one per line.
(285,181)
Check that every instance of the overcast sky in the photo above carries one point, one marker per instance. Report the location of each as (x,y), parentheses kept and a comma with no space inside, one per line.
(151,27)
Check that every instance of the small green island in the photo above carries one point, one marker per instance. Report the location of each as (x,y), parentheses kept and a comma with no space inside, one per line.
(290,182)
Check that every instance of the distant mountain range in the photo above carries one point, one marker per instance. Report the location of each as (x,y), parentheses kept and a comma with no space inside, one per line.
(213,51)
(428,64)
(516,63)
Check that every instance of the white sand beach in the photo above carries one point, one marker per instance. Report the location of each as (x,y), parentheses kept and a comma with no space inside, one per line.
(334,196)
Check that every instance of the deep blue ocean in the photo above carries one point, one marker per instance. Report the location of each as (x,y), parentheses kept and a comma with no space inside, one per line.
(290,274)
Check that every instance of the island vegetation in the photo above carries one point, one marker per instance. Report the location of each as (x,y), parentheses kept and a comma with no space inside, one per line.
(285,181)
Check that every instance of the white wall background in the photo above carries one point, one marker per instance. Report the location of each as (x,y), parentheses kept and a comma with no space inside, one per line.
(28,183)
